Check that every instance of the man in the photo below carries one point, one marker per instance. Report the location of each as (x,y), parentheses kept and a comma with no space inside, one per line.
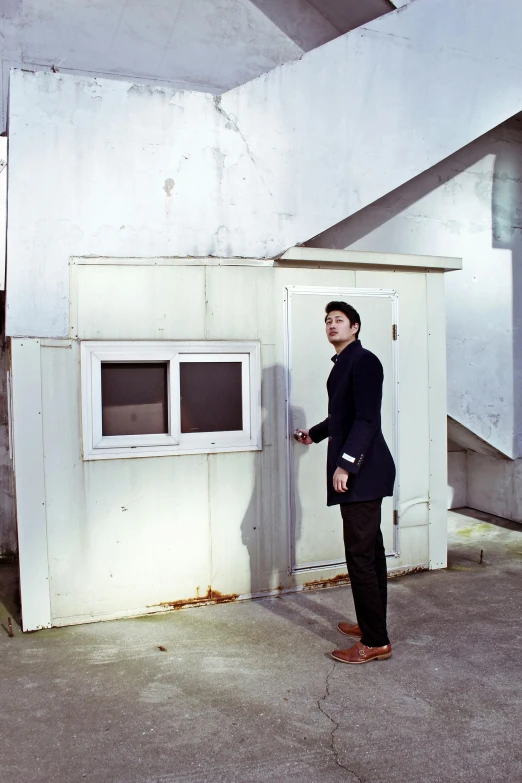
(360,472)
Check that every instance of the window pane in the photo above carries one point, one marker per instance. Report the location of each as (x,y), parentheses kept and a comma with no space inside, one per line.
(134,398)
(211,396)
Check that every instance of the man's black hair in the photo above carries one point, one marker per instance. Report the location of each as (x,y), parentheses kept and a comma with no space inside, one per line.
(349,311)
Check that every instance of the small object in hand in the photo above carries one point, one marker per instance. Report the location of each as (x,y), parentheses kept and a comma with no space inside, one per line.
(162,648)
(10,627)
(299,435)
(481,555)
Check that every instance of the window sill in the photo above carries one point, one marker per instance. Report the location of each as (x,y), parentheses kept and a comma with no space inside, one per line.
(162,451)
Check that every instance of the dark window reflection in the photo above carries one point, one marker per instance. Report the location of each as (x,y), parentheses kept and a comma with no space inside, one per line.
(211,396)
(134,398)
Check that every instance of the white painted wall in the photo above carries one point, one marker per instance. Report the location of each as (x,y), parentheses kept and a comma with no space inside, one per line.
(468,206)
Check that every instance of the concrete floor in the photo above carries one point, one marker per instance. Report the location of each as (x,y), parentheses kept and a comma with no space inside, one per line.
(247,691)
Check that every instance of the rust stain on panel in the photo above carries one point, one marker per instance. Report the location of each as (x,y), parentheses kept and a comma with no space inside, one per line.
(215,597)
(340,579)
(211,597)
(408,570)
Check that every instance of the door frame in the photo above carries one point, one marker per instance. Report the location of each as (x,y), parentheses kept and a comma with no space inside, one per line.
(336,292)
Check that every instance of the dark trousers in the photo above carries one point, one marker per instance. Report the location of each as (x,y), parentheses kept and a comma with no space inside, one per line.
(366,563)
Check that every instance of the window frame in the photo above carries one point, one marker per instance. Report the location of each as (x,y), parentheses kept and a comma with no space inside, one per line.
(98,446)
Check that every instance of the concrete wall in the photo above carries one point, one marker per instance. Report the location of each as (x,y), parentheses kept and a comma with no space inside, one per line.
(495,486)
(468,206)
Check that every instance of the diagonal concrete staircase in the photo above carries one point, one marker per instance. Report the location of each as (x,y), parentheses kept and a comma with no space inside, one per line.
(359,116)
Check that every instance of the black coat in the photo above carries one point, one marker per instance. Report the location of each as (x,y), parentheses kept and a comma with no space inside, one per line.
(353,428)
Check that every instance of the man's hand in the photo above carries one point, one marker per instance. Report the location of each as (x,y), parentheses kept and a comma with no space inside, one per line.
(340,480)
(303,437)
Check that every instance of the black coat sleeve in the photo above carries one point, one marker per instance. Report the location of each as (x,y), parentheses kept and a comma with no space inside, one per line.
(367,378)
(319,432)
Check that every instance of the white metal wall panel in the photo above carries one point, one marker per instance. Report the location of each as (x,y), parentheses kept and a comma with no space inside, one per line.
(414,546)
(437,390)
(240,303)
(30,485)
(131,302)
(3,207)
(249,552)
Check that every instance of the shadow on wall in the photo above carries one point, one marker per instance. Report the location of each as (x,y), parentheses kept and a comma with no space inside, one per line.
(506,208)
(263,529)
(264,533)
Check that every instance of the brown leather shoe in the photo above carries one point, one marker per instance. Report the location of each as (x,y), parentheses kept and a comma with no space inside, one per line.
(360,653)
(349,629)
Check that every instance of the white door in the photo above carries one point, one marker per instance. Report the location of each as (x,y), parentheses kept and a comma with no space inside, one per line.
(316,530)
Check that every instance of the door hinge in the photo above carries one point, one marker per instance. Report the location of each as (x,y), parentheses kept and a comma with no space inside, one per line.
(395,517)
(394,331)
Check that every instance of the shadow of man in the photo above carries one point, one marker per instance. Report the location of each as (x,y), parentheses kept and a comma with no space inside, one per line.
(268,532)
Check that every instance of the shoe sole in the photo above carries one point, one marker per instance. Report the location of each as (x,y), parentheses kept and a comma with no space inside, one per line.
(368,660)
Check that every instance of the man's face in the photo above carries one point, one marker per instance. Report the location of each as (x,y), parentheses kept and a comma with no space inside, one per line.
(338,328)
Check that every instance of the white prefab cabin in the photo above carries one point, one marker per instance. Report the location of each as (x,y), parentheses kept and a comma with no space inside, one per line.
(155,464)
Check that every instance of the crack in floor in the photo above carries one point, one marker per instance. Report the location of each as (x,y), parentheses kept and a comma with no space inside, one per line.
(336,725)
